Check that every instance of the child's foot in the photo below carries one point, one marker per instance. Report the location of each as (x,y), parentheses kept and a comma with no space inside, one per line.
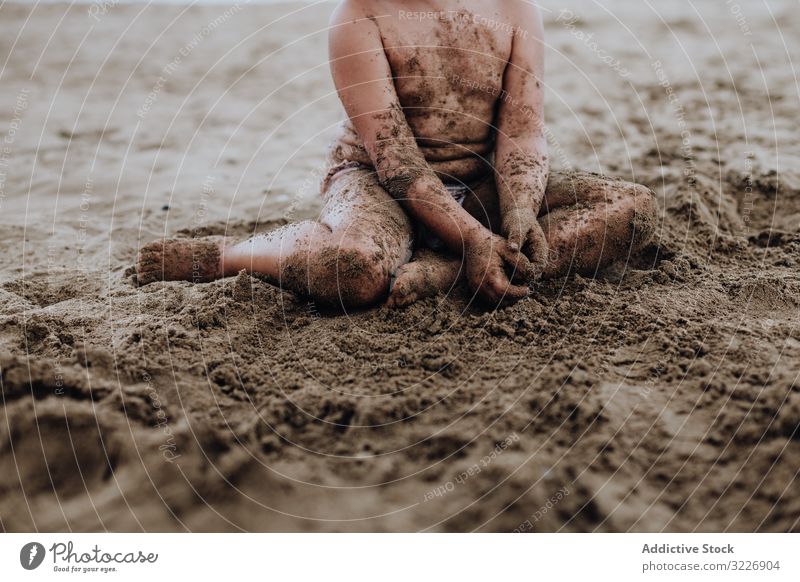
(428,274)
(193,259)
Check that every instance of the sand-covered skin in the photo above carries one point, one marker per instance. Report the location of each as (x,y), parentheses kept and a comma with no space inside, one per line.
(194,259)
(663,395)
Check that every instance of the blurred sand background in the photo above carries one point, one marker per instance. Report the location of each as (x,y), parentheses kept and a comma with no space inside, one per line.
(663,395)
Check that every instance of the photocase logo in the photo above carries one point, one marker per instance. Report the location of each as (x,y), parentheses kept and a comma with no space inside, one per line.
(31,555)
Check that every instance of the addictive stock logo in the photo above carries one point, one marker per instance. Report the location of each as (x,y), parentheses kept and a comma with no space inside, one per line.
(31,555)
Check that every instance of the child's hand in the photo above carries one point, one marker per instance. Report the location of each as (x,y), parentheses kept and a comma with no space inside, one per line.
(521,227)
(488,258)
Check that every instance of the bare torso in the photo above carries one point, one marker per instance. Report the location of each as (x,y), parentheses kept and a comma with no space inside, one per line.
(448,64)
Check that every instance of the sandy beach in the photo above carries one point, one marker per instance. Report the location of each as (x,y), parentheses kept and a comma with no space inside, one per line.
(661,396)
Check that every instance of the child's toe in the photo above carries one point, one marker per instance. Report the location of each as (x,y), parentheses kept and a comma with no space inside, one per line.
(150,263)
(401,294)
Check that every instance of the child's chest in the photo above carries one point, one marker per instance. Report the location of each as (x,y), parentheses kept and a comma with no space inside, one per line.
(452,60)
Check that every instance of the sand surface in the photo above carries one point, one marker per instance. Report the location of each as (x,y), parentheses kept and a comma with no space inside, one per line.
(662,395)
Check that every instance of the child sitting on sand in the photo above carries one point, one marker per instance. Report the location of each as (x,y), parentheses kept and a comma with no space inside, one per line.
(439,172)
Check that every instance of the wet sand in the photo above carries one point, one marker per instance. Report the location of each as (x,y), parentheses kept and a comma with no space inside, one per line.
(661,395)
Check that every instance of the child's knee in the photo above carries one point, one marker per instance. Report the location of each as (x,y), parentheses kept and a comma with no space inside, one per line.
(347,274)
(644,216)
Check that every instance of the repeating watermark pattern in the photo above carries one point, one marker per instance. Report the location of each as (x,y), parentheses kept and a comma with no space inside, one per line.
(741,21)
(311,181)
(58,378)
(317,177)
(690,166)
(55,248)
(552,501)
(312,310)
(169,448)
(198,220)
(83,222)
(169,69)
(206,193)
(648,385)
(472,470)
(6,148)
(464,18)
(748,201)
(503,96)
(375,367)
(99,9)
(569,20)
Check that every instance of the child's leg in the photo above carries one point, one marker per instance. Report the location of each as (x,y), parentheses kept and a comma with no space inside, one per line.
(429,273)
(346,258)
(589,222)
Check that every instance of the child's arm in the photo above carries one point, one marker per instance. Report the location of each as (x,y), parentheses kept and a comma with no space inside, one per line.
(521,161)
(363,79)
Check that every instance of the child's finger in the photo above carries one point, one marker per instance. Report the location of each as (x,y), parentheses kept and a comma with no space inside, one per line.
(516,238)
(538,249)
(519,262)
(499,288)
(516,292)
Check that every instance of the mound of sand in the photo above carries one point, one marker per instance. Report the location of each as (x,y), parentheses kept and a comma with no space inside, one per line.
(662,395)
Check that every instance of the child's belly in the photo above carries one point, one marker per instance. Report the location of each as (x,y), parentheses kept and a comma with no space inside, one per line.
(453,162)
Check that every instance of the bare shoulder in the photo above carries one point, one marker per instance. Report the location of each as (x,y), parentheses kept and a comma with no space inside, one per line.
(525,14)
(352,28)
(528,46)
(350,12)
(528,27)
